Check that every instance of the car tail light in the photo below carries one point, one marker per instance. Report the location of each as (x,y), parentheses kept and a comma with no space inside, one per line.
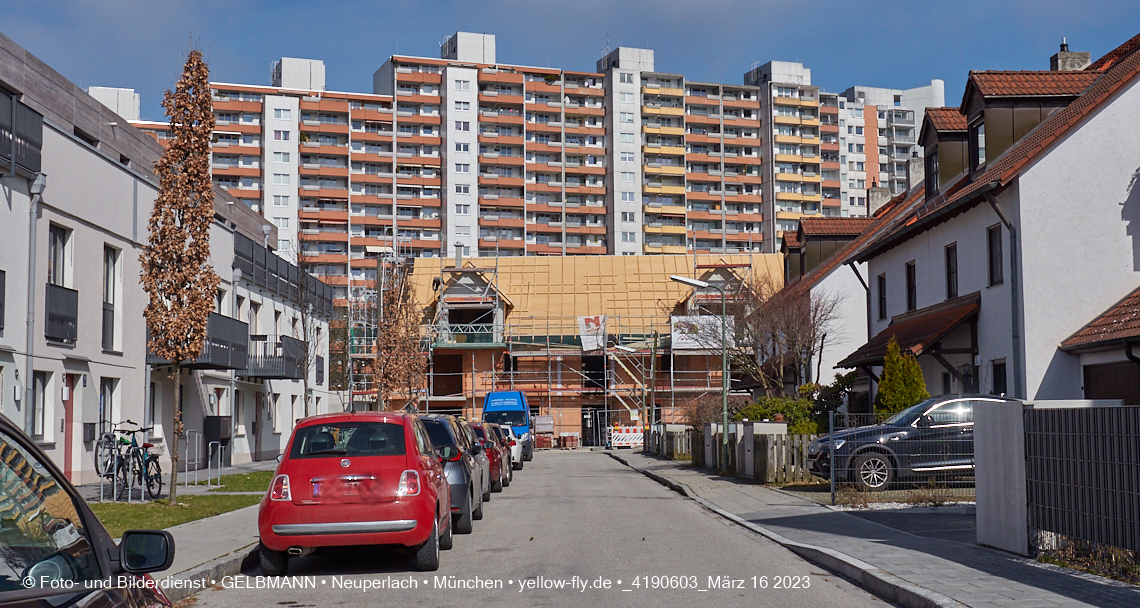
(280,488)
(409,484)
(513,443)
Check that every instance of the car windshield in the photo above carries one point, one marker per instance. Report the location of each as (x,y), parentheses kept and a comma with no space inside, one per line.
(349,439)
(909,415)
(438,434)
(507,417)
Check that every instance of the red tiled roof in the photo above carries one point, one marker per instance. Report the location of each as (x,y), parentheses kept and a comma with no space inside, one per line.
(791,239)
(879,220)
(835,226)
(1119,322)
(1002,170)
(1032,83)
(946,119)
(916,331)
(1114,56)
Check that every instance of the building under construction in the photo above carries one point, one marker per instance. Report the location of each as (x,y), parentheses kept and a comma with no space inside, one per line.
(591,340)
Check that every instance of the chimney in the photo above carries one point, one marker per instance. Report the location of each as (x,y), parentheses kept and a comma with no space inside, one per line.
(877,196)
(458,254)
(1066,61)
(915,172)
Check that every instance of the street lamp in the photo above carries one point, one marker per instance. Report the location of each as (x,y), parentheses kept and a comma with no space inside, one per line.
(723,360)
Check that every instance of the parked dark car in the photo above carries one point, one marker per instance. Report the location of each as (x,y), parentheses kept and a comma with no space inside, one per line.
(51,542)
(482,459)
(931,440)
(367,478)
(461,466)
(495,454)
(503,439)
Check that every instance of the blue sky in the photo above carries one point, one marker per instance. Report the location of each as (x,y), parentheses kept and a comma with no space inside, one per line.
(141,44)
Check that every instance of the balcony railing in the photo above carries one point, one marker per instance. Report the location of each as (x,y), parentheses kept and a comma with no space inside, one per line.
(226,346)
(473,334)
(23,138)
(275,357)
(62,318)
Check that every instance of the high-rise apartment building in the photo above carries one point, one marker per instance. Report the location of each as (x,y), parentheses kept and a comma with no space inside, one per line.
(790,147)
(878,131)
(465,154)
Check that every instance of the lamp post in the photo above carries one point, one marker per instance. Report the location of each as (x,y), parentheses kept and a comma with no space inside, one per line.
(723,360)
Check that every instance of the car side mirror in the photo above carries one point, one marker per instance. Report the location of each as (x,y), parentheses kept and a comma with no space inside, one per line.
(489,445)
(143,551)
(445,453)
(476,448)
(279,457)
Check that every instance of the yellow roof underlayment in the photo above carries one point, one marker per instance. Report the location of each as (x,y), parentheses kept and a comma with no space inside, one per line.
(564,287)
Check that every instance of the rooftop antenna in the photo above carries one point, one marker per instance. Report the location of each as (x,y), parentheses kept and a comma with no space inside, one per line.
(607,51)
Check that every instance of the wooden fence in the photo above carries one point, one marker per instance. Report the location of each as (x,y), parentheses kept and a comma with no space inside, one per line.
(782,459)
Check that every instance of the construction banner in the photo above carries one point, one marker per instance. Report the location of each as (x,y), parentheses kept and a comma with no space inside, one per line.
(700,332)
(593,332)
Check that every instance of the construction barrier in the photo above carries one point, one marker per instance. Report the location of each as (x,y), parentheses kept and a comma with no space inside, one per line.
(625,437)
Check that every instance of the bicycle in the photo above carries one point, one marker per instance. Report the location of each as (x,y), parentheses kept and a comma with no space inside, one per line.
(137,464)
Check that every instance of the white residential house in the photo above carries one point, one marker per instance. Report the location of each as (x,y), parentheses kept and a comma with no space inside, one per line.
(1026,235)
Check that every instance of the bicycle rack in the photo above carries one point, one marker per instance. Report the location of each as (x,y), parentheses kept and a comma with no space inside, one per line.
(193,446)
(221,450)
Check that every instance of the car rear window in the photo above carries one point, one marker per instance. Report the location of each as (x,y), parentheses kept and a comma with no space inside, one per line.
(479,432)
(507,417)
(438,434)
(349,439)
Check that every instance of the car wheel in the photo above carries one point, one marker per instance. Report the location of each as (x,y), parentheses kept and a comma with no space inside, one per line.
(447,541)
(497,485)
(462,521)
(508,477)
(273,563)
(873,472)
(478,512)
(487,490)
(518,465)
(427,555)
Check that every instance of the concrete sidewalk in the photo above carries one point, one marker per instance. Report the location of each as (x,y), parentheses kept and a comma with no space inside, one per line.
(90,492)
(910,564)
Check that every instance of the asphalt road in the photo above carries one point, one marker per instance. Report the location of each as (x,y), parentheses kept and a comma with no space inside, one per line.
(567,514)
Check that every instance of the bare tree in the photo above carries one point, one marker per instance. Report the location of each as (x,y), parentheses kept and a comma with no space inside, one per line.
(399,363)
(176,271)
(775,333)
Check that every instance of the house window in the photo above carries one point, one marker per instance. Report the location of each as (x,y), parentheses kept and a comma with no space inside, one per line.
(932,174)
(280,201)
(993,242)
(280,157)
(462,168)
(462,85)
(462,125)
(629,237)
(58,241)
(628,197)
(110,295)
(626,97)
(627,157)
(34,419)
(281,179)
(463,105)
(462,189)
(625,78)
(281,114)
(628,177)
(978,145)
(882,296)
(2,290)
(463,231)
(628,216)
(998,368)
(463,210)
(626,117)
(281,135)
(281,222)
(462,147)
(627,138)
(952,270)
(911,288)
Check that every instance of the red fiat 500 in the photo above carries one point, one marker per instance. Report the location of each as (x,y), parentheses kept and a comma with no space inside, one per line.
(367,478)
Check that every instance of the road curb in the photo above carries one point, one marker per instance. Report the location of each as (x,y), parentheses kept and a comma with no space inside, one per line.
(880,582)
(213,570)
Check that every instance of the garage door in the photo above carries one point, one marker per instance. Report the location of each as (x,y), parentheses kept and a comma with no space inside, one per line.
(1113,381)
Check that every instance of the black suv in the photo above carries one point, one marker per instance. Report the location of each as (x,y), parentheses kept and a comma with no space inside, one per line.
(54,551)
(462,466)
(934,439)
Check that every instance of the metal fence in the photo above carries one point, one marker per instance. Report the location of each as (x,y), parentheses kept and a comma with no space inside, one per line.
(1082,469)
(905,457)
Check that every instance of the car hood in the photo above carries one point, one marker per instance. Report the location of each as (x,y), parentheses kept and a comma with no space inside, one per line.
(865,432)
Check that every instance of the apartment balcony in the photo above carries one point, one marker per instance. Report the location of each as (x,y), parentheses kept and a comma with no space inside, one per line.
(489,335)
(226,346)
(275,357)
(24,137)
(61,314)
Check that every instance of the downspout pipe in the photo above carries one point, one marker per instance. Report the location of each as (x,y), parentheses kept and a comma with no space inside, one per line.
(873,384)
(36,187)
(1015,291)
